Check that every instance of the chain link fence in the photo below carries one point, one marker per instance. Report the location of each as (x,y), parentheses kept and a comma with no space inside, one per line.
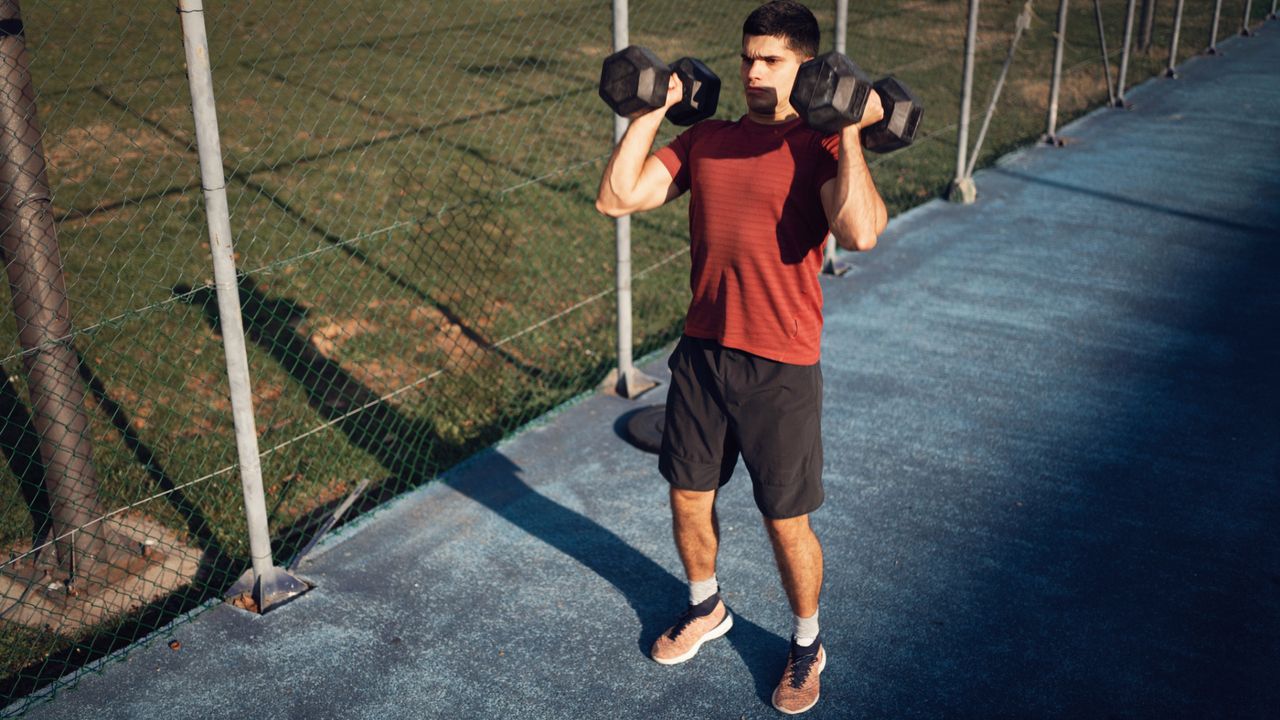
(420,267)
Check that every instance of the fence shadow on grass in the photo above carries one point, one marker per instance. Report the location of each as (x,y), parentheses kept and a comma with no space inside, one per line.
(274,196)
(410,449)
(21,446)
(197,525)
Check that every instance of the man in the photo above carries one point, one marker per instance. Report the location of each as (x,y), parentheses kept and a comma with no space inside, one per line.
(764,191)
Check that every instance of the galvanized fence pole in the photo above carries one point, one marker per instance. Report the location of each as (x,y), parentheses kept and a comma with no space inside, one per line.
(1020,26)
(1272,16)
(1169,71)
(1102,46)
(842,24)
(1124,54)
(1213,29)
(962,187)
(1051,133)
(268,584)
(830,265)
(1147,24)
(1244,22)
(630,382)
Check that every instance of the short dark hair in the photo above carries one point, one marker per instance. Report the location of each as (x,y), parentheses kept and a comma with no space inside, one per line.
(788,20)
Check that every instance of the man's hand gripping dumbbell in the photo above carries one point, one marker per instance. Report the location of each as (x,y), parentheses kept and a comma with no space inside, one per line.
(633,81)
(831,92)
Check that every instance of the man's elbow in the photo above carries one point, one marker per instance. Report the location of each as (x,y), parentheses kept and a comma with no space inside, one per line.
(610,208)
(856,239)
(860,236)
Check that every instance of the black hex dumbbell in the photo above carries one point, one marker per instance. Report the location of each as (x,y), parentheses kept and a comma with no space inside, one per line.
(831,92)
(902,114)
(633,81)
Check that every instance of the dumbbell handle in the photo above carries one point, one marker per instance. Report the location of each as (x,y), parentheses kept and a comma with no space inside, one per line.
(701,92)
(900,118)
(684,112)
(880,103)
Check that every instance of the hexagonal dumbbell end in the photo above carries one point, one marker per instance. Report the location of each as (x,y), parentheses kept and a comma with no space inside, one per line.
(633,81)
(830,92)
(902,113)
(701,92)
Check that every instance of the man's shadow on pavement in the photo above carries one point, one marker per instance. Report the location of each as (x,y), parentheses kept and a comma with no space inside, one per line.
(656,596)
(413,453)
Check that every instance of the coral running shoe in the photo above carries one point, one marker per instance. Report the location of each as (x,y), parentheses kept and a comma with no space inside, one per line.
(705,621)
(797,691)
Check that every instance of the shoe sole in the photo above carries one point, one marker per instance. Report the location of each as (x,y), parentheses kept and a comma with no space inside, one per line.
(712,634)
(821,666)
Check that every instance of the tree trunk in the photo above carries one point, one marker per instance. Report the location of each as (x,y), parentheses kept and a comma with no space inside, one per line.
(29,248)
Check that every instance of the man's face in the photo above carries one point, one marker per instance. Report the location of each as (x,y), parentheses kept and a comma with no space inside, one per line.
(768,71)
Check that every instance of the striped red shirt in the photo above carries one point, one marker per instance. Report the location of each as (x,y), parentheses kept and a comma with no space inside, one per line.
(756,227)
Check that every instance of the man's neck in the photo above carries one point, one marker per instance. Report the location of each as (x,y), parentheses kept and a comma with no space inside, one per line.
(775,118)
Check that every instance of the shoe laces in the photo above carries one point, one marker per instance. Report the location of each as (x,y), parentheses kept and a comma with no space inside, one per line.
(801,665)
(691,613)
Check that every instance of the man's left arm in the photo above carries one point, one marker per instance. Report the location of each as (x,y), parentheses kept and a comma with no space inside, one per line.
(855,211)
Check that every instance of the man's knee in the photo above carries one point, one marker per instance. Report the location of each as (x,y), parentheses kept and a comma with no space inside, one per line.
(692,500)
(788,530)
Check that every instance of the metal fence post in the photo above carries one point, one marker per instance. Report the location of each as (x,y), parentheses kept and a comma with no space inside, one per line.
(268,584)
(1169,71)
(1147,23)
(1244,22)
(1102,46)
(962,187)
(1213,29)
(842,24)
(1124,54)
(830,265)
(1023,22)
(1051,134)
(629,382)
(1272,16)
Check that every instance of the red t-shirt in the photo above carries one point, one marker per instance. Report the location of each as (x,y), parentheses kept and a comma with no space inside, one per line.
(756,226)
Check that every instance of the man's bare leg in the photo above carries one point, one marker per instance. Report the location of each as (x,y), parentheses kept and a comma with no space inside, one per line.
(697,535)
(697,531)
(799,556)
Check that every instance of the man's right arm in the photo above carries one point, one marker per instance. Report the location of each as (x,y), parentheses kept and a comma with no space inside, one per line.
(634,180)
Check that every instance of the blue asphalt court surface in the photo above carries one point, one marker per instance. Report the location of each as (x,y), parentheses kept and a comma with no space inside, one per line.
(1052,425)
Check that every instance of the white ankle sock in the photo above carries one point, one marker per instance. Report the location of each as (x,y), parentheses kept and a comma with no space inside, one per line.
(805,630)
(700,590)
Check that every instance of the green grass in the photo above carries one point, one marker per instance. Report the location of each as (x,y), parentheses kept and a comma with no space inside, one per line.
(411,189)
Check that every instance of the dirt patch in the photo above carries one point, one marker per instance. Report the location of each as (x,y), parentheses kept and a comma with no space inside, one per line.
(102,149)
(409,342)
(245,602)
(1080,87)
(327,336)
(40,601)
(210,388)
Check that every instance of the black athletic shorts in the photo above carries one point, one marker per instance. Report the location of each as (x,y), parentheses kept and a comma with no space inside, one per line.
(725,402)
